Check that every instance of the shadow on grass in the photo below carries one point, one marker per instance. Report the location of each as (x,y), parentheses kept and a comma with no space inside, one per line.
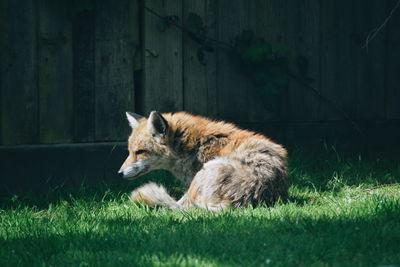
(327,171)
(332,171)
(220,239)
(229,238)
(99,191)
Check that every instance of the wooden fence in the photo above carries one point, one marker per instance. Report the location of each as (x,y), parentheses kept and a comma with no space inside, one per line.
(70,69)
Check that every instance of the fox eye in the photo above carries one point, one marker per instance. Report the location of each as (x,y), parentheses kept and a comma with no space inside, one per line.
(140,151)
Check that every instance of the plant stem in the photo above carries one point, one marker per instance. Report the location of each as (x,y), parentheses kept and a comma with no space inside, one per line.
(326,100)
(290,74)
(177,25)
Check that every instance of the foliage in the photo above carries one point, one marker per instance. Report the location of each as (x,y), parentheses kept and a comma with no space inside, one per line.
(336,216)
(264,65)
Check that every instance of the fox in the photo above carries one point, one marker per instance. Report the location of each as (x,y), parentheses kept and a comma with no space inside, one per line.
(220,164)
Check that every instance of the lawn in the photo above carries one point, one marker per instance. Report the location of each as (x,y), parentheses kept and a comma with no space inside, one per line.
(343,211)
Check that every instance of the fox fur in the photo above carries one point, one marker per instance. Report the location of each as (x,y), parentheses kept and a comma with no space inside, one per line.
(221,164)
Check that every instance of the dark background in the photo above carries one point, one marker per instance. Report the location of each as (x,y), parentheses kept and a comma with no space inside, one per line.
(70,69)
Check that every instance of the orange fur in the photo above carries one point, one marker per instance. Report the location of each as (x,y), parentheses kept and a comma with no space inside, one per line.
(223,164)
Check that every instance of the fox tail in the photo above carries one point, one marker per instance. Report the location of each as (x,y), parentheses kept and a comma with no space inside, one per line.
(154,195)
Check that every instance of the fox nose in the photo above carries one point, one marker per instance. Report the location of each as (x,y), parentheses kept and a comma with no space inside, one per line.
(121,171)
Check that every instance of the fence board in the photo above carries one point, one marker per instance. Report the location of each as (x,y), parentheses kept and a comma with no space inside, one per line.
(70,79)
(19,108)
(84,76)
(338,57)
(370,78)
(3,29)
(268,20)
(199,80)
(233,18)
(114,50)
(392,58)
(163,81)
(303,40)
(55,73)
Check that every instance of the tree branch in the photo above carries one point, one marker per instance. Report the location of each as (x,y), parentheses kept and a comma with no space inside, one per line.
(291,75)
(326,100)
(179,26)
(371,35)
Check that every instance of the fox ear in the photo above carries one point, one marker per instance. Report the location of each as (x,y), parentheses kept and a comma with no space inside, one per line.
(133,119)
(157,125)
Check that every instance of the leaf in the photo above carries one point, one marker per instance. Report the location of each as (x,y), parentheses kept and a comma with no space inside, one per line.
(75,7)
(200,39)
(194,23)
(171,20)
(269,95)
(257,51)
(243,40)
(165,22)
(281,50)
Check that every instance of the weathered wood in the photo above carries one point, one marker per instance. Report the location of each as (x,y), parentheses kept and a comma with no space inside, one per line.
(370,77)
(392,60)
(72,77)
(18,65)
(338,57)
(199,79)
(55,72)
(269,20)
(3,29)
(163,80)
(303,40)
(114,50)
(233,104)
(84,76)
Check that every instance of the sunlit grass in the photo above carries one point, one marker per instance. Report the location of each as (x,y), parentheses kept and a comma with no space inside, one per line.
(338,214)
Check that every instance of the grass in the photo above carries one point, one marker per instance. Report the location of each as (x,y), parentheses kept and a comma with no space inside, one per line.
(343,211)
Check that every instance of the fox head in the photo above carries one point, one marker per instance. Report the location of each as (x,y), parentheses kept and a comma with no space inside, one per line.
(147,145)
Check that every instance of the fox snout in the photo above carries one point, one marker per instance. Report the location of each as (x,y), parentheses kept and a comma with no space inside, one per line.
(132,170)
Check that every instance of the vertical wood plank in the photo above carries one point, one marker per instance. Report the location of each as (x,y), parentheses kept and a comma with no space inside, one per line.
(371,61)
(303,40)
(84,76)
(163,60)
(55,73)
(199,80)
(232,85)
(114,84)
(392,79)
(211,21)
(338,58)
(269,20)
(3,29)
(18,65)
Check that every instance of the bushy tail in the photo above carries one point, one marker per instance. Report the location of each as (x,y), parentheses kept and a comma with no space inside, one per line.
(154,195)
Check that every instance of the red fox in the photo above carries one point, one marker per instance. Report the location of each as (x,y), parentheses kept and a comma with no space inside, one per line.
(221,164)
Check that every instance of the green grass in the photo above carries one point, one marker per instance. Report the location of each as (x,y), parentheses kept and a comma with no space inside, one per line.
(338,214)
